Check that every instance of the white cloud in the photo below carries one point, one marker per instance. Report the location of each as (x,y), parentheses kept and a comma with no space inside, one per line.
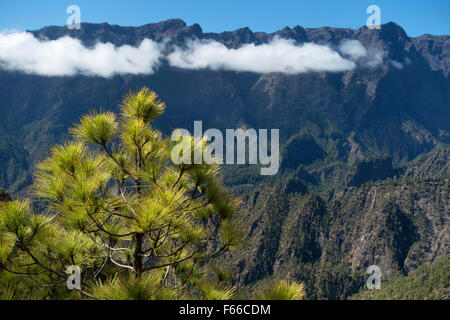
(375,57)
(397,65)
(279,55)
(353,48)
(67,56)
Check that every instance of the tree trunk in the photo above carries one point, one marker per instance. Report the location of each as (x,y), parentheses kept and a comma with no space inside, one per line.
(138,266)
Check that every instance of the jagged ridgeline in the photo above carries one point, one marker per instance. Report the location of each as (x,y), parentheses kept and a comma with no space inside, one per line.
(364,175)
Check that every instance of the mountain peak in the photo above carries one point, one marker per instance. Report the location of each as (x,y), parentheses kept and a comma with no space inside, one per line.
(391,29)
(170,24)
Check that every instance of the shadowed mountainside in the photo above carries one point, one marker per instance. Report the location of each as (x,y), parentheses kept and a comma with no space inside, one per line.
(323,219)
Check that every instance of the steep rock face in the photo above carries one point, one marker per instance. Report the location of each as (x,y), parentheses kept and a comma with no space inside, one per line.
(436,49)
(429,282)
(329,239)
(436,164)
(400,108)
(397,226)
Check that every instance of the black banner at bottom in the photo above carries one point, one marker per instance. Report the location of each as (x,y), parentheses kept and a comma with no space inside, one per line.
(217,309)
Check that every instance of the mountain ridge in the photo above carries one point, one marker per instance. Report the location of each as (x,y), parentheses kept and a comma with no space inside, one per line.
(179,30)
(364,153)
(354,101)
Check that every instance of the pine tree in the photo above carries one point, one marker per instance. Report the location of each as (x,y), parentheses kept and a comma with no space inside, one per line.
(283,290)
(137,225)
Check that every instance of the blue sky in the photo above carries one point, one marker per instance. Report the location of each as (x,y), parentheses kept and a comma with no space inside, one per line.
(416,17)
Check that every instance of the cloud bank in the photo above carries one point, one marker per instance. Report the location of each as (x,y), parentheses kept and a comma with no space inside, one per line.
(67,56)
(279,55)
